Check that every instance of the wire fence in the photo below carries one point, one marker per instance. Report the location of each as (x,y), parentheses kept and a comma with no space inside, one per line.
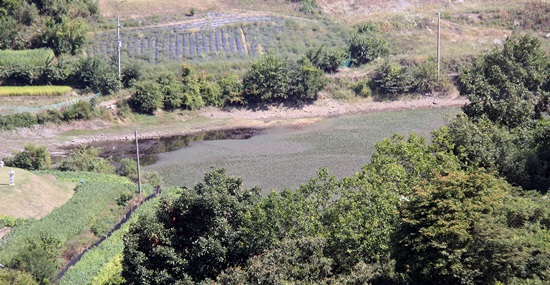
(58,106)
(117,226)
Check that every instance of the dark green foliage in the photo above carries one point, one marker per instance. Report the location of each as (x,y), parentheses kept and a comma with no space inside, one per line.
(456,230)
(211,92)
(128,168)
(508,86)
(392,79)
(171,90)
(86,159)
(366,47)
(131,73)
(19,120)
(64,35)
(39,258)
(192,238)
(232,89)
(16,277)
(267,80)
(81,110)
(8,32)
(326,58)
(305,82)
(147,97)
(97,75)
(31,158)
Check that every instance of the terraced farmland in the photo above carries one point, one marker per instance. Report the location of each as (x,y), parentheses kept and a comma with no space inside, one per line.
(219,37)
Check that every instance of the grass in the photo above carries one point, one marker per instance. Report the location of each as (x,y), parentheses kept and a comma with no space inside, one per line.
(39,91)
(34,57)
(33,196)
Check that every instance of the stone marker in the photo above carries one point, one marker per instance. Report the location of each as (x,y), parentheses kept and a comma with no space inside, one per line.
(12,178)
(1,163)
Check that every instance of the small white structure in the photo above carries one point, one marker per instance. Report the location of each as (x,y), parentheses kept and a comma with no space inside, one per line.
(12,177)
(1,163)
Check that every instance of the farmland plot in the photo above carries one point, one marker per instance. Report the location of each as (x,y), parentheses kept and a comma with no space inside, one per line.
(218,38)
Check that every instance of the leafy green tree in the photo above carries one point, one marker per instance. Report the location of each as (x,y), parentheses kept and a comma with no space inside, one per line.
(509,86)
(31,158)
(306,81)
(267,80)
(326,58)
(128,168)
(392,79)
(94,73)
(366,47)
(147,97)
(16,277)
(65,36)
(456,229)
(192,238)
(86,159)
(39,258)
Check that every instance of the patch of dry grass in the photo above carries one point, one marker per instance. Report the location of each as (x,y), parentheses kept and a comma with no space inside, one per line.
(33,196)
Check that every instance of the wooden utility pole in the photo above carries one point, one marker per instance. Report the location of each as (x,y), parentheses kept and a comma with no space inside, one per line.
(137,159)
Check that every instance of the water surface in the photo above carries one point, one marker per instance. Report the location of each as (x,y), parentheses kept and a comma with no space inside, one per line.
(286,157)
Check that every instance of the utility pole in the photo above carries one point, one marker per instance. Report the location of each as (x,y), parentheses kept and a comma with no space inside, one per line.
(137,159)
(438,38)
(119,43)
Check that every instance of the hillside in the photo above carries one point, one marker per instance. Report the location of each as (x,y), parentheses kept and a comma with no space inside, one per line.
(33,196)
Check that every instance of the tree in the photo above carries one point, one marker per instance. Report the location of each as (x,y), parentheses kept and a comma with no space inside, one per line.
(147,97)
(326,58)
(509,86)
(192,238)
(93,73)
(64,35)
(86,159)
(366,47)
(267,80)
(306,81)
(31,158)
(456,229)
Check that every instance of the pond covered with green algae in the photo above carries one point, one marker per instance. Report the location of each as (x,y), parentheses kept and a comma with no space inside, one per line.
(285,157)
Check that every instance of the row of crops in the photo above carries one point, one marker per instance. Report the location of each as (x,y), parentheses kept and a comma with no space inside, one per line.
(217,41)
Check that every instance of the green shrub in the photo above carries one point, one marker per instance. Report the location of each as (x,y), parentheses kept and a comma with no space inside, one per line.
(232,89)
(147,97)
(392,79)
(38,257)
(86,159)
(97,75)
(131,73)
(211,92)
(52,115)
(65,35)
(31,158)
(267,80)
(364,48)
(362,87)
(19,120)
(128,168)
(305,82)
(82,110)
(7,221)
(16,277)
(327,58)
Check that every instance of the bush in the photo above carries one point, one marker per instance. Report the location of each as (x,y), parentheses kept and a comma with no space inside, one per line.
(97,75)
(306,81)
(392,79)
(267,80)
(327,59)
(19,120)
(147,97)
(82,110)
(31,158)
(51,115)
(232,90)
(131,73)
(364,48)
(7,221)
(86,159)
(211,92)
(362,88)
(128,168)
(16,277)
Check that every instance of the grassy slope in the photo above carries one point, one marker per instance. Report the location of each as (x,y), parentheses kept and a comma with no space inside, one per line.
(33,196)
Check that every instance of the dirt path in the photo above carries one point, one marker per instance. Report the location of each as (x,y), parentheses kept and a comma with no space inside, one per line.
(59,138)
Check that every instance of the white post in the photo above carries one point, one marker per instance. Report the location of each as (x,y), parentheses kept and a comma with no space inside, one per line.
(137,159)
(12,177)
(438,38)
(118,41)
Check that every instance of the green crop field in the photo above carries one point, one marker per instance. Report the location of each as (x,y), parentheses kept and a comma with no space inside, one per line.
(38,91)
(33,57)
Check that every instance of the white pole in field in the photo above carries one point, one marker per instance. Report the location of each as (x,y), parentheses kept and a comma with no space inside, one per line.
(137,159)
(119,43)
(438,38)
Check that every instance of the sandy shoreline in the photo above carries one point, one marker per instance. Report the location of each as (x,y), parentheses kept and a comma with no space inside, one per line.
(58,140)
